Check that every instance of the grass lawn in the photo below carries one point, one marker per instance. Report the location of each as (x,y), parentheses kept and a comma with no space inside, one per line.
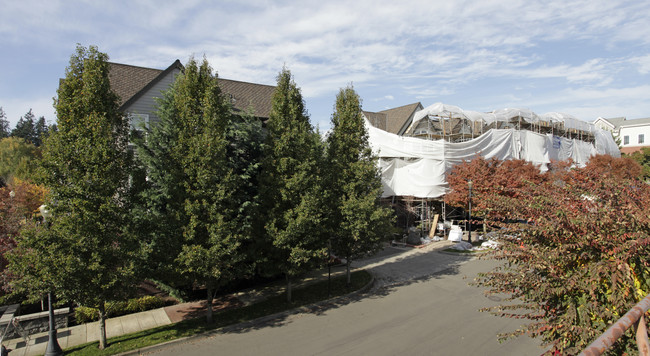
(302,296)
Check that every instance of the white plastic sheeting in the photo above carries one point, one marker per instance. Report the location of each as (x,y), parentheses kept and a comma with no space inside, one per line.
(446,111)
(416,167)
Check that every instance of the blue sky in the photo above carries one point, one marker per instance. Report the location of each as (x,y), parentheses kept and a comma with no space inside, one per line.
(585,58)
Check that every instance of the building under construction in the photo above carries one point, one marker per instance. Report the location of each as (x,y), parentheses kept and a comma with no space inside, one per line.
(418,146)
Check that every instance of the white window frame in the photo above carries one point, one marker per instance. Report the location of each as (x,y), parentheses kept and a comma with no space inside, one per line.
(135,118)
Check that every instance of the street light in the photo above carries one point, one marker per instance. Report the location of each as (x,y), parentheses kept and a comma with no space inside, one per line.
(53,348)
(469,233)
(329,266)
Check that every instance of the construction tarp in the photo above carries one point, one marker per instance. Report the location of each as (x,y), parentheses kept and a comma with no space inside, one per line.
(417,167)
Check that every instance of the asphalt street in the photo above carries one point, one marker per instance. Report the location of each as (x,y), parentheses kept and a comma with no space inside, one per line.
(421,305)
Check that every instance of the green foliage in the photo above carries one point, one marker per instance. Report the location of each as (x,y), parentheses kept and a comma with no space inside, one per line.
(17,159)
(158,208)
(25,127)
(31,130)
(135,305)
(578,261)
(199,188)
(245,137)
(4,124)
(643,158)
(291,185)
(89,253)
(175,293)
(356,221)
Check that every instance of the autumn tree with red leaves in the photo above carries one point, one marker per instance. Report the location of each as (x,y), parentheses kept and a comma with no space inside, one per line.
(581,259)
(489,177)
(19,202)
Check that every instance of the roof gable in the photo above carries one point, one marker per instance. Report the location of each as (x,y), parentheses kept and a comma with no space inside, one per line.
(614,122)
(131,82)
(161,74)
(398,119)
(127,80)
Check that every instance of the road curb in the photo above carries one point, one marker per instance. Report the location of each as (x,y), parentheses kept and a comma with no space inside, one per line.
(250,323)
(472,255)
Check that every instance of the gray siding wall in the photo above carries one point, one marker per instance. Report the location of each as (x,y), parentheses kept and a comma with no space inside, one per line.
(146,103)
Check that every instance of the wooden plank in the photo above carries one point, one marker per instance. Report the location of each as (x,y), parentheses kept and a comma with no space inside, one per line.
(434,226)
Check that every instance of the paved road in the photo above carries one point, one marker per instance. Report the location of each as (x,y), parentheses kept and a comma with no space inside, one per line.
(421,305)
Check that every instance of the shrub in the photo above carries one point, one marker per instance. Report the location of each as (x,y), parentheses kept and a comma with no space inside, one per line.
(113,309)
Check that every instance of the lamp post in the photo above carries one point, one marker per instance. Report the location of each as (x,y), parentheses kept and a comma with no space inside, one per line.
(469,233)
(53,348)
(329,266)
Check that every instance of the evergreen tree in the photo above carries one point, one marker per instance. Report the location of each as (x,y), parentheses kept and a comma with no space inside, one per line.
(245,136)
(291,185)
(88,253)
(25,128)
(357,223)
(31,130)
(160,204)
(197,180)
(41,130)
(4,124)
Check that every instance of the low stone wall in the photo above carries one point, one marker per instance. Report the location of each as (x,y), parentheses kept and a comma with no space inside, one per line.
(30,324)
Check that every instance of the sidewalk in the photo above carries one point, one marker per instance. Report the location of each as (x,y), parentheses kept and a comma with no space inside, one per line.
(81,334)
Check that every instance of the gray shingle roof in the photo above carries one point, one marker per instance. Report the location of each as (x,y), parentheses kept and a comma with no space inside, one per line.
(129,81)
(247,96)
(642,121)
(397,118)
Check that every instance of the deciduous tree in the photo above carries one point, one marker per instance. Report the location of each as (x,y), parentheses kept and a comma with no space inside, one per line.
(291,185)
(88,253)
(18,159)
(19,202)
(577,259)
(200,183)
(356,221)
(490,177)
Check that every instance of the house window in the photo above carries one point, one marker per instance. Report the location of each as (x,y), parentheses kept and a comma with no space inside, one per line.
(626,140)
(641,138)
(138,120)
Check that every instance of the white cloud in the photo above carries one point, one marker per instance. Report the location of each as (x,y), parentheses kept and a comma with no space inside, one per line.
(642,63)
(414,49)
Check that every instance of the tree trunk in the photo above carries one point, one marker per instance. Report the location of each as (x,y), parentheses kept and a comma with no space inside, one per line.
(208,312)
(288,288)
(102,325)
(347,265)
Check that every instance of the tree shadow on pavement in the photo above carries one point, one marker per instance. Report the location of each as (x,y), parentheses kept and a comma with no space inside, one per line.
(392,268)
